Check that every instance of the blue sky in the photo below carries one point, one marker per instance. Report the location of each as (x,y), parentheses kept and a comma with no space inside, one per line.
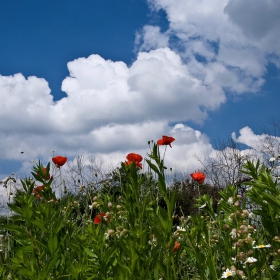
(105,76)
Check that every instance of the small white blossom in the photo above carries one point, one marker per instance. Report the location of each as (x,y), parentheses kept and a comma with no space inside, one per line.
(180,228)
(230,200)
(251,260)
(272,159)
(262,246)
(228,273)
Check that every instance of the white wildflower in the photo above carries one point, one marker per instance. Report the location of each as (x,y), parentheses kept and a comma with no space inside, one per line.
(228,273)
(262,246)
(251,260)
(230,200)
(180,228)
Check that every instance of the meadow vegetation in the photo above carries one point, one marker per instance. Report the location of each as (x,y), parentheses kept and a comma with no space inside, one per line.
(133,225)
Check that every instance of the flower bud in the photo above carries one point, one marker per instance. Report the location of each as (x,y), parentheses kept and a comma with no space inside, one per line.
(110,232)
(94,204)
(236,203)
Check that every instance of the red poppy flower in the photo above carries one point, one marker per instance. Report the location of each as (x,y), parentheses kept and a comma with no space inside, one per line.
(134,157)
(136,163)
(98,218)
(198,176)
(176,246)
(59,160)
(38,190)
(166,140)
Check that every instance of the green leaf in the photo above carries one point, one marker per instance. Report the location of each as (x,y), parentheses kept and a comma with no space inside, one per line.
(14,228)
(39,224)
(52,244)
(27,212)
(173,200)
(90,253)
(15,208)
(153,166)
(271,199)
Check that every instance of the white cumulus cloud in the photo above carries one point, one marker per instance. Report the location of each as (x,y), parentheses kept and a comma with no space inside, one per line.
(226,43)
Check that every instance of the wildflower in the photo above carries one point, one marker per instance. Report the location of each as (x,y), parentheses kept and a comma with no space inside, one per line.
(251,260)
(38,190)
(107,217)
(138,164)
(246,212)
(98,218)
(198,176)
(236,203)
(233,233)
(176,246)
(93,205)
(110,204)
(180,229)
(109,232)
(262,246)
(272,159)
(228,273)
(59,160)
(230,200)
(166,140)
(134,157)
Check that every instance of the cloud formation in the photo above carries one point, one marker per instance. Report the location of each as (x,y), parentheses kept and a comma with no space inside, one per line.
(226,43)
(179,75)
(109,106)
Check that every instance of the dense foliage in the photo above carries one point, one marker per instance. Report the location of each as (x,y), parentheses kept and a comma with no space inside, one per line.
(135,227)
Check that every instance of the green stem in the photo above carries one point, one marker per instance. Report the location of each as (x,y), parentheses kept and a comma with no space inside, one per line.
(249,272)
